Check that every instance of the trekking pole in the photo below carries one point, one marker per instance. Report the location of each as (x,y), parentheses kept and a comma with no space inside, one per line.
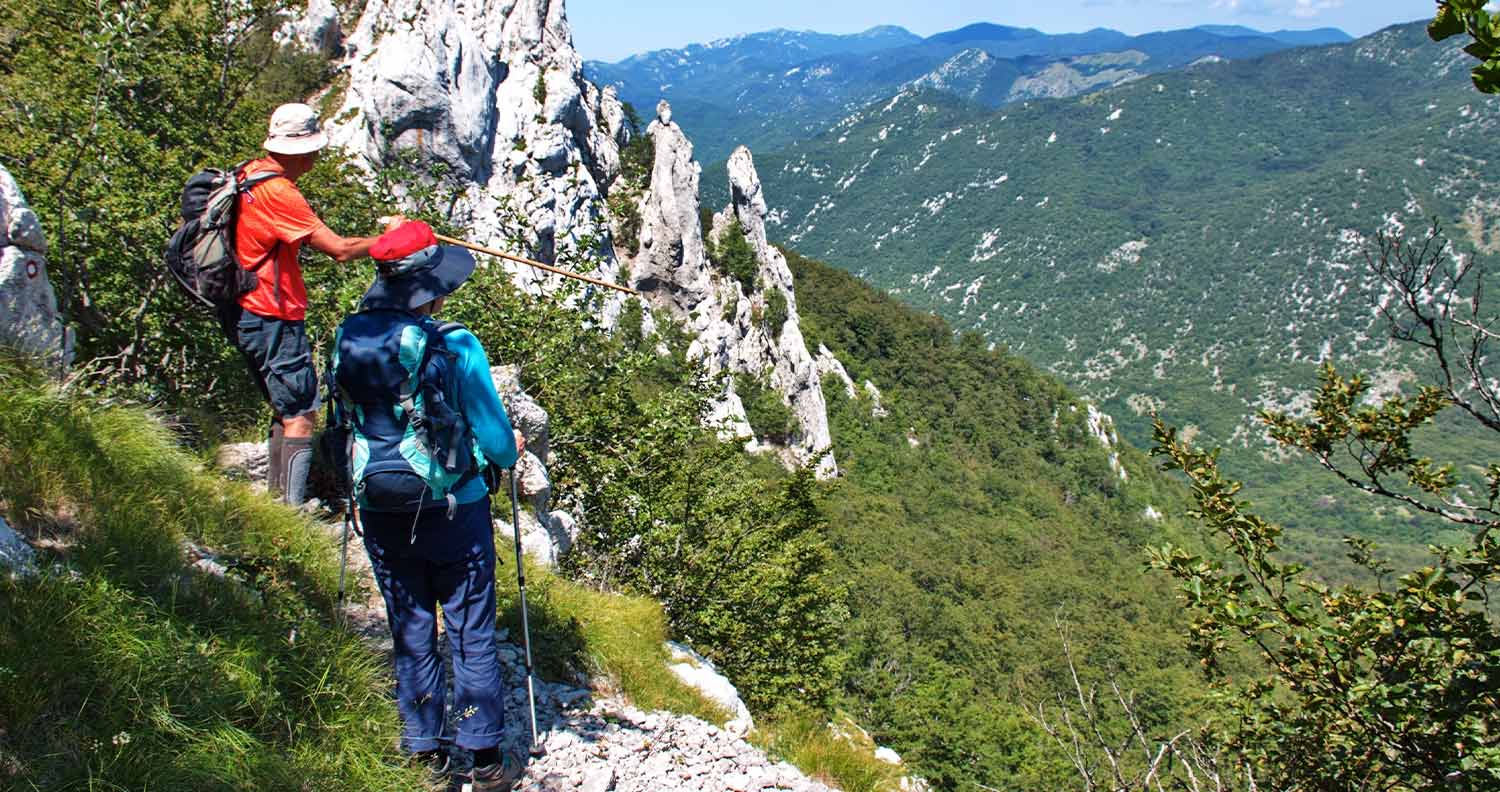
(344,553)
(515,521)
(528,262)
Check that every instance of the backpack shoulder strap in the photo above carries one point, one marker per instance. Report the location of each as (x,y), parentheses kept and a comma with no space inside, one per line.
(259,178)
(244,185)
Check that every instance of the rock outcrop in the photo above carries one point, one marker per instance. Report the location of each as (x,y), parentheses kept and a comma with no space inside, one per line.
(700,674)
(493,95)
(16,554)
(607,745)
(249,461)
(829,364)
(547,534)
(315,29)
(731,324)
(29,318)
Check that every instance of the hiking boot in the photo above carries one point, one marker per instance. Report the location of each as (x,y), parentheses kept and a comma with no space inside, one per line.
(496,777)
(436,764)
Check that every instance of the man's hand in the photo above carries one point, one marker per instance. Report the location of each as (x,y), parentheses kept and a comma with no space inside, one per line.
(520,443)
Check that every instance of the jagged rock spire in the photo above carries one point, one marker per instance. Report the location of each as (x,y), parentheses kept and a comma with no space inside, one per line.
(729,322)
(495,96)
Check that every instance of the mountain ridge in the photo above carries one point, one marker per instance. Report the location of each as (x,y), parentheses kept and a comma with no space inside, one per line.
(768,89)
(1051,226)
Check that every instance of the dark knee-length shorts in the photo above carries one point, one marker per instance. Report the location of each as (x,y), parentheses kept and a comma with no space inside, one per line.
(279,357)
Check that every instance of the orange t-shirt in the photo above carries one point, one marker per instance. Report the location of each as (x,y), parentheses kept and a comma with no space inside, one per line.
(274,211)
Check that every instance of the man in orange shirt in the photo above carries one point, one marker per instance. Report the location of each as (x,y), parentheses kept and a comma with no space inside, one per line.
(268,323)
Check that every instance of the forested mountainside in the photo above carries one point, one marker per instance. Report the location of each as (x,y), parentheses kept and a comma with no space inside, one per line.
(978,521)
(1192,243)
(769,89)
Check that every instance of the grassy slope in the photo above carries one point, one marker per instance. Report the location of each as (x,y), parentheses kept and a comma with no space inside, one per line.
(124,669)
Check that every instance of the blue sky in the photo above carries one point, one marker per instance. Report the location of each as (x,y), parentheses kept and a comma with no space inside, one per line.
(613,29)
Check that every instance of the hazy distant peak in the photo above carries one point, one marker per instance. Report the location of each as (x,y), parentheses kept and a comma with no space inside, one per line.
(1312,37)
(887,30)
(985,31)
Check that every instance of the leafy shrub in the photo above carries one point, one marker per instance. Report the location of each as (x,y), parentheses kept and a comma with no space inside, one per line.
(770,418)
(1394,686)
(776,311)
(734,257)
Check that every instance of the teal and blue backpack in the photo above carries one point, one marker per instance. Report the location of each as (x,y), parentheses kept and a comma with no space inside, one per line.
(395,385)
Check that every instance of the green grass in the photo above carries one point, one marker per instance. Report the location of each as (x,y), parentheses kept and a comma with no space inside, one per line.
(845,760)
(123,668)
(614,636)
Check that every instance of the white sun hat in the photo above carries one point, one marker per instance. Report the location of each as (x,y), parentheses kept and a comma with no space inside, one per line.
(294,130)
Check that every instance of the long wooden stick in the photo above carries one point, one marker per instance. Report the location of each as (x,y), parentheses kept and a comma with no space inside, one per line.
(530,263)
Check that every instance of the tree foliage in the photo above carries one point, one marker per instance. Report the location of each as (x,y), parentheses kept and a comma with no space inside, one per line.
(105,109)
(1470,17)
(974,509)
(1395,686)
(732,254)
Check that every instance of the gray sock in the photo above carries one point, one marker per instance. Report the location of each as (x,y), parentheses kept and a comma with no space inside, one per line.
(297,455)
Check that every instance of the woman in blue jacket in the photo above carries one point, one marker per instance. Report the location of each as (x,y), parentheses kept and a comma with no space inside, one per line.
(443,555)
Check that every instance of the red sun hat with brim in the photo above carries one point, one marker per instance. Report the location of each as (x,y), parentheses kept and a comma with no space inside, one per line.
(412,269)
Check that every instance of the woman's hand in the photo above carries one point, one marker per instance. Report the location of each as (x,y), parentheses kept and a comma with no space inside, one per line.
(520,443)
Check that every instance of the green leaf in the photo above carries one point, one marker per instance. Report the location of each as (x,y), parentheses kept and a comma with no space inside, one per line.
(1445,24)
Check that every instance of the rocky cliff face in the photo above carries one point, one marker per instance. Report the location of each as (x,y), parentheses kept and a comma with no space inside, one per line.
(731,323)
(491,93)
(29,319)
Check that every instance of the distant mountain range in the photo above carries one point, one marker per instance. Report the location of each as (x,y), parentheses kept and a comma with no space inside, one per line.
(1192,242)
(772,88)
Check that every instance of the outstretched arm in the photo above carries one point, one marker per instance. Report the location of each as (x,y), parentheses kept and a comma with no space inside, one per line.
(341,248)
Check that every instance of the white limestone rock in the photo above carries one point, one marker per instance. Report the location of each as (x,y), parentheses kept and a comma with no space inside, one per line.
(544,540)
(877,409)
(828,364)
(315,28)
(29,317)
(250,461)
(16,553)
(727,415)
(672,268)
(782,349)
(525,414)
(546,534)
(495,94)
(700,674)
(1102,427)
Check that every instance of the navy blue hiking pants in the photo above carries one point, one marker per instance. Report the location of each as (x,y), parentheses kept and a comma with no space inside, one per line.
(423,560)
